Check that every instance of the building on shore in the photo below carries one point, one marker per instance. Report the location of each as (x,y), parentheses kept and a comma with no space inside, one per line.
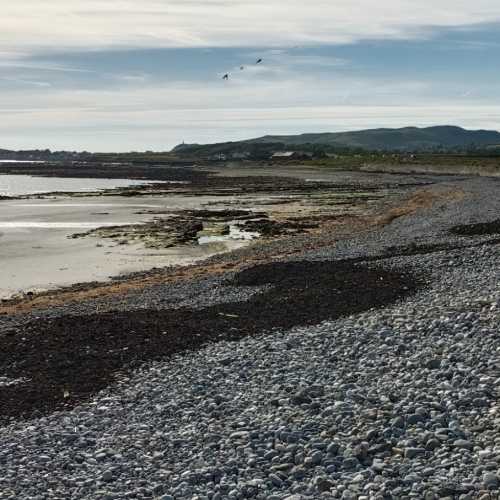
(291,155)
(240,156)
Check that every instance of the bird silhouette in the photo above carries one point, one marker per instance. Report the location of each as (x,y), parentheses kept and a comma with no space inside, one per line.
(242,68)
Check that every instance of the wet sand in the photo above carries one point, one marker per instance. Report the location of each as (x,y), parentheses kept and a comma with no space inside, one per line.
(37,251)
(19,185)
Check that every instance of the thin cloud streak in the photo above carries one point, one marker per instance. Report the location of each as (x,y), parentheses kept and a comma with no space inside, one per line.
(21,81)
(55,25)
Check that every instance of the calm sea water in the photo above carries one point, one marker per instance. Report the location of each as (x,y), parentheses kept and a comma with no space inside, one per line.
(18,185)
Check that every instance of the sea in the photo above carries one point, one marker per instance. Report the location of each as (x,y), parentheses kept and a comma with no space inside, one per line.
(19,185)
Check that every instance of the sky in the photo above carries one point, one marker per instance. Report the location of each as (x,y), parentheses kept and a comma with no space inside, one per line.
(123,75)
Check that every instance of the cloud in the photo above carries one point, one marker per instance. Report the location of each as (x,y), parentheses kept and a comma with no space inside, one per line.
(14,63)
(64,85)
(55,25)
(161,115)
(21,81)
(127,131)
(293,58)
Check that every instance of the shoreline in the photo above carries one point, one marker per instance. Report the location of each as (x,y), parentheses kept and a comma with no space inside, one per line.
(306,365)
(341,227)
(210,215)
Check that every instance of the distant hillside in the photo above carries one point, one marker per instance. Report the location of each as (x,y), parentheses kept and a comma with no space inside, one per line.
(442,138)
(409,138)
(41,155)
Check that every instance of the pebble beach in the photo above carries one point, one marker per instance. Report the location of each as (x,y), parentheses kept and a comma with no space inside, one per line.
(363,369)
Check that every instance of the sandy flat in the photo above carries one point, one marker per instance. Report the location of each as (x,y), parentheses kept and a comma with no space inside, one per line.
(36,253)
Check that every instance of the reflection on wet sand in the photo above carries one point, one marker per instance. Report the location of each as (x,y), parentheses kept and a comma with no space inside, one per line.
(38,251)
(53,240)
(59,225)
(19,185)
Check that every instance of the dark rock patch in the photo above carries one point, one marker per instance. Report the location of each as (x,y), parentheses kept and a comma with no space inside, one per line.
(160,233)
(65,360)
(273,228)
(482,228)
(223,214)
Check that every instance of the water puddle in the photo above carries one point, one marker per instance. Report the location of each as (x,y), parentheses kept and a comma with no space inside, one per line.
(59,225)
(84,205)
(22,185)
(235,233)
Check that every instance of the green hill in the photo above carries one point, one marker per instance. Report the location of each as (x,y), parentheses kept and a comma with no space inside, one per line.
(441,138)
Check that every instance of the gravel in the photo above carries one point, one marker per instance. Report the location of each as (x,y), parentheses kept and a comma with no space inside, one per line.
(393,400)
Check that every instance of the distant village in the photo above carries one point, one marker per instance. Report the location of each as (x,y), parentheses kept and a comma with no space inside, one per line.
(43,155)
(275,156)
(255,154)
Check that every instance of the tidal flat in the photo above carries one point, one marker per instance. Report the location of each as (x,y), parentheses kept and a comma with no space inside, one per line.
(165,216)
(38,251)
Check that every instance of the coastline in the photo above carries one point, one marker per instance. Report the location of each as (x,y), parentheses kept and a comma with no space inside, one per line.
(55,239)
(322,340)
(325,232)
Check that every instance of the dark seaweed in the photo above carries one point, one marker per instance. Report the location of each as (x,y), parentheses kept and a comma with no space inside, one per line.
(68,359)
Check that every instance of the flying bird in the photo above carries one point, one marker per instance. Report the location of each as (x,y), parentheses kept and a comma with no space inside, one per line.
(242,68)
